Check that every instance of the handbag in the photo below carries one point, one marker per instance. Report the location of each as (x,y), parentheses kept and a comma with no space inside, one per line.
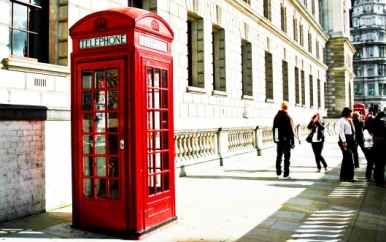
(309,137)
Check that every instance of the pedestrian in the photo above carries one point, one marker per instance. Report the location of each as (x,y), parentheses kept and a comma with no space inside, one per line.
(316,126)
(358,124)
(379,147)
(368,144)
(284,136)
(346,142)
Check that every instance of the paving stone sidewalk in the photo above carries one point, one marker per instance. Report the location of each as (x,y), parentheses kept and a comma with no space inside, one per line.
(244,201)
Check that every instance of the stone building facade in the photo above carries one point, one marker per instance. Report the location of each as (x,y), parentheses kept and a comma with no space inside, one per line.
(235,61)
(368,37)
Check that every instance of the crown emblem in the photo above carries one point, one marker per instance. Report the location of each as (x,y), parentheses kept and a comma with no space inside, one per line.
(100,23)
(155,25)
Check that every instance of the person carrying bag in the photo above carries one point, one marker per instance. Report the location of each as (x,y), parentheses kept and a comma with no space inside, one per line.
(316,126)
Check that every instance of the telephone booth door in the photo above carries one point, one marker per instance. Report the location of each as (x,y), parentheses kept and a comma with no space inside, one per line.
(160,172)
(101,143)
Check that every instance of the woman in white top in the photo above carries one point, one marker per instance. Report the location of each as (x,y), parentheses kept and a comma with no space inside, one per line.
(346,144)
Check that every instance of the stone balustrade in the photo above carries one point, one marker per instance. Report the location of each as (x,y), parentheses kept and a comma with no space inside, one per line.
(211,147)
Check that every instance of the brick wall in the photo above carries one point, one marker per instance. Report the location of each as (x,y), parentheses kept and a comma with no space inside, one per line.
(22,169)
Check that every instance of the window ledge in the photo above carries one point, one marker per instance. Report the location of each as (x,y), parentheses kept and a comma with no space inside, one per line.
(269,100)
(197,90)
(31,65)
(219,93)
(247,97)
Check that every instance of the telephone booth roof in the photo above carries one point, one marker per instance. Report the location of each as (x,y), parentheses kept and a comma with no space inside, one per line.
(125,18)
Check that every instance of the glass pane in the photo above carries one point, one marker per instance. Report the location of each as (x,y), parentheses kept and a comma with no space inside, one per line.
(150,100)
(158,183)
(164,100)
(156,99)
(113,144)
(87,122)
(100,79)
(20,43)
(113,167)
(34,24)
(157,140)
(157,162)
(166,181)
(164,79)
(86,100)
(10,39)
(150,144)
(100,188)
(165,141)
(150,163)
(112,122)
(20,14)
(100,143)
(151,185)
(100,122)
(150,121)
(86,79)
(112,101)
(149,76)
(87,163)
(114,189)
(112,78)
(34,46)
(101,166)
(165,161)
(156,77)
(164,120)
(100,100)
(87,144)
(157,120)
(88,191)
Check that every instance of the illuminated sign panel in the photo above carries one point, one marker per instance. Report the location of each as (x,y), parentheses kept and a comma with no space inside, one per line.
(103,41)
(153,43)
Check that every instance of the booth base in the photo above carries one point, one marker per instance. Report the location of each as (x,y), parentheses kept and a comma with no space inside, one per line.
(135,235)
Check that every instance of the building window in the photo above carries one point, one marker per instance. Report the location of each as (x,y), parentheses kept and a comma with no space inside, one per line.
(303,82)
(218,59)
(246,68)
(310,42)
(382,51)
(135,3)
(267,9)
(382,89)
(283,16)
(248,2)
(371,89)
(311,91)
(28,29)
(358,89)
(317,49)
(297,86)
(357,71)
(295,27)
(301,35)
(195,55)
(370,70)
(370,51)
(285,81)
(268,76)
(381,70)
(319,93)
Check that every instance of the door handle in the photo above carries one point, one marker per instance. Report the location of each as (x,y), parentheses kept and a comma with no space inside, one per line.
(122,144)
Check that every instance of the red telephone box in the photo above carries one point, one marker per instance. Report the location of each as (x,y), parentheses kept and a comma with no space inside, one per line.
(122,122)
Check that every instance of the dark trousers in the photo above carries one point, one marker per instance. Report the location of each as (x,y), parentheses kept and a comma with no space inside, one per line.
(317,147)
(370,162)
(347,168)
(283,148)
(354,151)
(378,151)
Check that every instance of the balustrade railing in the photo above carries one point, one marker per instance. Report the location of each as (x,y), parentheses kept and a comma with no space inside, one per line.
(197,146)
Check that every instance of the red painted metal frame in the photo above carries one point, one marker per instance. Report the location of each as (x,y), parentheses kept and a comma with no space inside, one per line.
(141,213)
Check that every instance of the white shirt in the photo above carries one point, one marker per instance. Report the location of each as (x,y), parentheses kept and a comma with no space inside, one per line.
(315,136)
(344,128)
